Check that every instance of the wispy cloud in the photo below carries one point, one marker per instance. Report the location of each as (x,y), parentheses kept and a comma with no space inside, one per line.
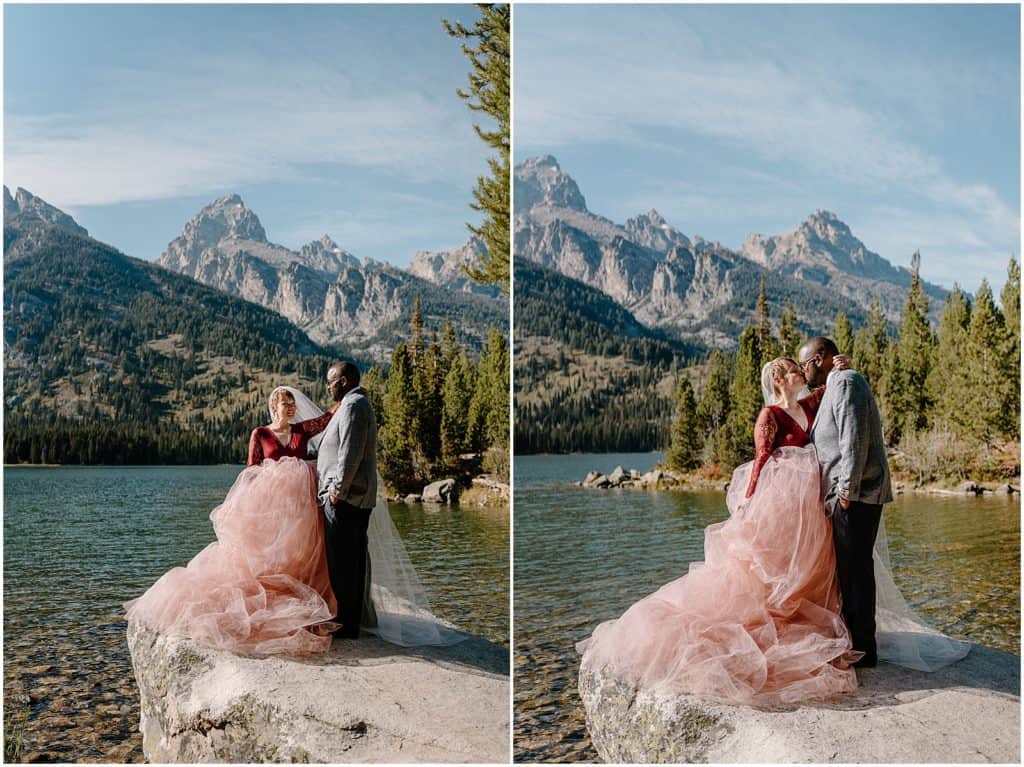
(220,122)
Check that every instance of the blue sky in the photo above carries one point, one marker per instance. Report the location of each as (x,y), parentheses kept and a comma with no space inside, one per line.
(325,119)
(732,119)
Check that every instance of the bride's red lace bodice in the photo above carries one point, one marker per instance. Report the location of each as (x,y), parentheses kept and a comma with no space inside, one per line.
(776,428)
(264,443)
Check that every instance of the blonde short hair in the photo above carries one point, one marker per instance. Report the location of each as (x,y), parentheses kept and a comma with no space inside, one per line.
(778,368)
(277,395)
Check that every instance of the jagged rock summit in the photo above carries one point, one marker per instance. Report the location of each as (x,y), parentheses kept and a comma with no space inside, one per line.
(446,268)
(823,249)
(365,701)
(25,206)
(219,236)
(539,181)
(896,715)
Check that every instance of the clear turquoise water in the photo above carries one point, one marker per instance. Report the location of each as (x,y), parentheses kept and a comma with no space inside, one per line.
(583,556)
(79,541)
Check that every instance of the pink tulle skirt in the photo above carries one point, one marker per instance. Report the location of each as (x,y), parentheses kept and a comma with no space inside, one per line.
(262,587)
(758,622)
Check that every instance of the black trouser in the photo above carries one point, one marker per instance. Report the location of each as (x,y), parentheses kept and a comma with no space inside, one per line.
(345,542)
(853,533)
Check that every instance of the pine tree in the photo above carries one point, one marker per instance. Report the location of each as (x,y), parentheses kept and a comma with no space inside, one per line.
(745,401)
(427,380)
(488,410)
(913,358)
(416,332)
(449,345)
(987,369)
(397,440)
(870,344)
(842,333)
(713,409)
(684,450)
(456,396)
(487,45)
(1010,298)
(767,346)
(888,374)
(947,380)
(789,331)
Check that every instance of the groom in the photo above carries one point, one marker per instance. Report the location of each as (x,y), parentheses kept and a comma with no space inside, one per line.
(847,434)
(347,467)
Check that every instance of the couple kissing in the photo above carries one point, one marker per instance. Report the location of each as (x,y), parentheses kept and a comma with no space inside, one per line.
(795,589)
(305,550)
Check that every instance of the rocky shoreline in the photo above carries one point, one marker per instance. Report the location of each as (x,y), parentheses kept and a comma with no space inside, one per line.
(482,491)
(660,478)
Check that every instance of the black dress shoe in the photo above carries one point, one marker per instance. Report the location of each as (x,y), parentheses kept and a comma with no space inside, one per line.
(343,633)
(868,661)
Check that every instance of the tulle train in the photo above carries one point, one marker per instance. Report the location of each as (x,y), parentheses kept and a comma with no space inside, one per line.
(758,622)
(263,585)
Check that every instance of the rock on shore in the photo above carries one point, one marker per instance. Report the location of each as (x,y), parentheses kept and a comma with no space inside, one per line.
(364,701)
(967,712)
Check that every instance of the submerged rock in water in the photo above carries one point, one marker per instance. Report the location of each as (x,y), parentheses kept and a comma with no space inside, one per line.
(967,712)
(364,701)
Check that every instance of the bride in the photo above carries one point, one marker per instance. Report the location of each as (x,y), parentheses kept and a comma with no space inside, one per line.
(262,587)
(759,621)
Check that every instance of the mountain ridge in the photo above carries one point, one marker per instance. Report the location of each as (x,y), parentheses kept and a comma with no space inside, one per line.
(325,290)
(687,283)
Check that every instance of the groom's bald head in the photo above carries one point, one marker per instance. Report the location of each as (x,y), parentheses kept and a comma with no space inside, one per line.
(815,359)
(342,377)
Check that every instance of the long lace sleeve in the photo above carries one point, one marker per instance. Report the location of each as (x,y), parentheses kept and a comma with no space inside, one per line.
(314,426)
(255,449)
(813,400)
(764,442)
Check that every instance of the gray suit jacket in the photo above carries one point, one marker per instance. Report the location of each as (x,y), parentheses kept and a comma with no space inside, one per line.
(347,461)
(847,434)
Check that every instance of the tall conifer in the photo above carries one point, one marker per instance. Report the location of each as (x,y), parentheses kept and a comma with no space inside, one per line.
(947,380)
(988,371)
(745,400)
(684,449)
(913,358)
(789,331)
(842,333)
(487,45)
(870,344)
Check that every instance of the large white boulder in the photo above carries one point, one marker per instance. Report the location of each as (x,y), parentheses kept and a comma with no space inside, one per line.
(967,712)
(364,701)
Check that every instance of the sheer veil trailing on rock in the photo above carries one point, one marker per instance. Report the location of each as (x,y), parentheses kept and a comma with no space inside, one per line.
(403,609)
(903,637)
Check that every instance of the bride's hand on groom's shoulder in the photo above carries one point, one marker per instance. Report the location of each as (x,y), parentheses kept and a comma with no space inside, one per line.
(842,362)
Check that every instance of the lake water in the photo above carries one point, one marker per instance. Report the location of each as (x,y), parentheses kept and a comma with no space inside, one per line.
(79,541)
(583,556)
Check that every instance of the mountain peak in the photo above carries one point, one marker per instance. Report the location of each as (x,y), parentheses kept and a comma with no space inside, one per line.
(27,206)
(226,217)
(826,226)
(651,230)
(541,181)
(655,218)
(327,256)
(542,161)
